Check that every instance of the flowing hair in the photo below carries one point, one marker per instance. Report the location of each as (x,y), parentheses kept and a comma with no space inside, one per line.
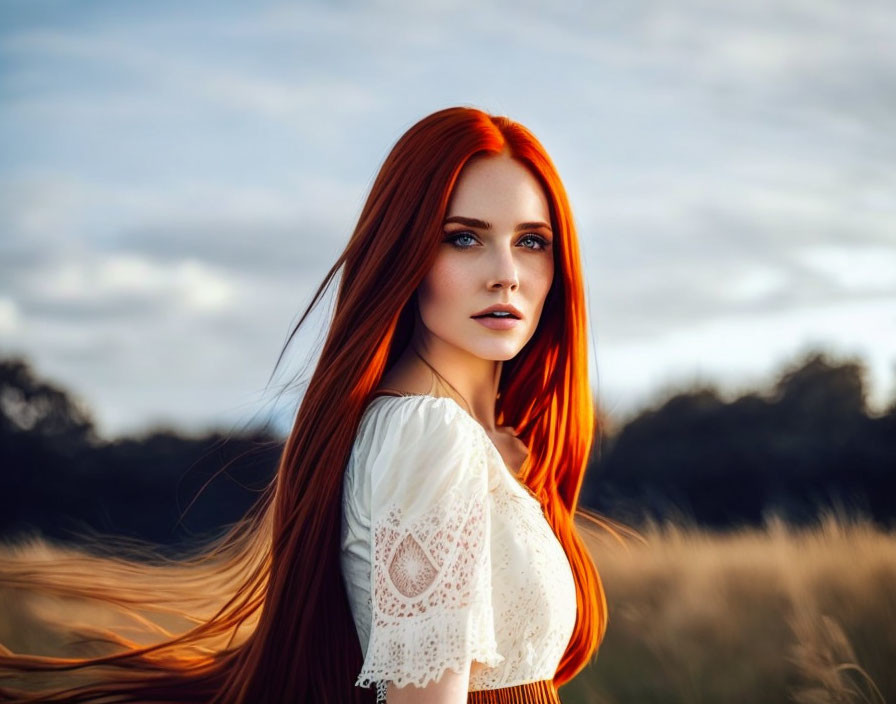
(263,611)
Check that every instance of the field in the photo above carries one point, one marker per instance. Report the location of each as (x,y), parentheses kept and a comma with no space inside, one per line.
(754,616)
(758,616)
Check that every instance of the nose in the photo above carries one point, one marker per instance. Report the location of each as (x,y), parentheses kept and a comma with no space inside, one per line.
(504,274)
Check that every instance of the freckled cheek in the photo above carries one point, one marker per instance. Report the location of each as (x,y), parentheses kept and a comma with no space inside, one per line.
(536,277)
(446,289)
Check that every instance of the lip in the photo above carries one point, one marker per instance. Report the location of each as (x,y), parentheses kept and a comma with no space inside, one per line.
(499,323)
(500,307)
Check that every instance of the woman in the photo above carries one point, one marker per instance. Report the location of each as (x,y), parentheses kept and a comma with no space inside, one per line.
(424,500)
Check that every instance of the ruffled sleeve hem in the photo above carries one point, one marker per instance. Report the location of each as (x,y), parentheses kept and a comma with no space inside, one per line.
(420,652)
(431,570)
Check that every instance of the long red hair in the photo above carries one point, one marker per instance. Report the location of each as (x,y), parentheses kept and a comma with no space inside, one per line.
(276,624)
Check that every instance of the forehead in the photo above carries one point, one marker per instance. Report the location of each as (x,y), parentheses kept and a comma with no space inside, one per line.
(498,189)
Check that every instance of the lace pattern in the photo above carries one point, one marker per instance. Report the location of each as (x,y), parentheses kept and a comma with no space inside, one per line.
(431,575)
(447,557)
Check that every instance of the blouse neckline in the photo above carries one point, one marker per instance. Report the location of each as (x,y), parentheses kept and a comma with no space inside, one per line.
(490,444)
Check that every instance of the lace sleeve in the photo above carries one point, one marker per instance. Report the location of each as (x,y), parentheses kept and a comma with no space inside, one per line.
(431,589)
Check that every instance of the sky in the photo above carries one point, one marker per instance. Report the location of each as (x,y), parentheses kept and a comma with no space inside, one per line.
(177,178)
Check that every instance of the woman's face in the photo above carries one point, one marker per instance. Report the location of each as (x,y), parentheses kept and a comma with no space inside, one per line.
(497,249)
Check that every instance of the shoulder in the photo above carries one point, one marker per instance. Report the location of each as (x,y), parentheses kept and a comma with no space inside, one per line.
(403,441)
(413,417)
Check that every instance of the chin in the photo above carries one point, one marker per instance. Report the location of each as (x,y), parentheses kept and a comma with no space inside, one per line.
(498,352)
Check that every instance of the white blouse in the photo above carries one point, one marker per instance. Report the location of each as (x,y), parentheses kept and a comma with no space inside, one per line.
(446,556)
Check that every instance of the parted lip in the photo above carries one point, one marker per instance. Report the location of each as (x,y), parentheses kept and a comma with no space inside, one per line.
(499,307)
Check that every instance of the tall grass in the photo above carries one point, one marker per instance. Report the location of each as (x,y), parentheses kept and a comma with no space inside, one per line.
(762,615)
(756,616)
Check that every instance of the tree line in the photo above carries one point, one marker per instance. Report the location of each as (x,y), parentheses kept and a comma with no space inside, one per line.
(807,443)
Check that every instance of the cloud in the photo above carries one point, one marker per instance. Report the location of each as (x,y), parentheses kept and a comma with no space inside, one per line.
(735,351)
(127,284)
(9,316)
(146,68)
(294,229)
(821,62)
(866,270)
(177,183)
(670,250)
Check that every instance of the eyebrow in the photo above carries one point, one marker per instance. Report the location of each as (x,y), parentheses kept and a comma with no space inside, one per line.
(483,225)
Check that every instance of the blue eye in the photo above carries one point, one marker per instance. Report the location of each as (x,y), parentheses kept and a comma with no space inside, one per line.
(540,242)
(466,240)
(458,238)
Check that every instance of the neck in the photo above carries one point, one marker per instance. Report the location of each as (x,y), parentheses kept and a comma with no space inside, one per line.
(473,379)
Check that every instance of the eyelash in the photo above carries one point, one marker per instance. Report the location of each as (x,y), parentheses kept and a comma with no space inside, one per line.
(452,239)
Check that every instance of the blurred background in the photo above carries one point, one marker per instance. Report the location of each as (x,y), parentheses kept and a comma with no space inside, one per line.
(177,178)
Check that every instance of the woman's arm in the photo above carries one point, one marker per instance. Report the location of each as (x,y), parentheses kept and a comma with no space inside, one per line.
(430,580)
(451,688)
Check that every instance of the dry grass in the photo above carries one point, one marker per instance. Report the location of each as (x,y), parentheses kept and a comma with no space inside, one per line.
(760,615)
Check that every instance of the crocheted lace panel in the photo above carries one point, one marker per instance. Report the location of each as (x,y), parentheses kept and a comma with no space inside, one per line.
(464,566)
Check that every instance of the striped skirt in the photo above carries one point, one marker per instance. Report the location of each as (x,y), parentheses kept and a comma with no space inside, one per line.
(541,692)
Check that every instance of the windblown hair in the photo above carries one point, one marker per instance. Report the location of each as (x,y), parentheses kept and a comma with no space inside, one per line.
(261,614)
